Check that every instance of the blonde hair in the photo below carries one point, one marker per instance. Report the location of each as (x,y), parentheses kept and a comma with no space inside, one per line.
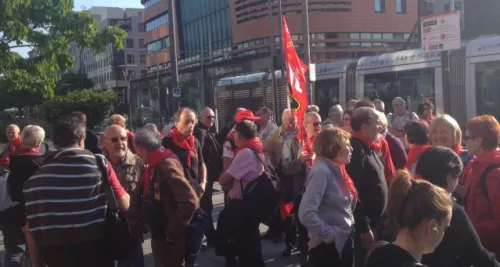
(448,120)
(382,120)
(118,120)
(330,142)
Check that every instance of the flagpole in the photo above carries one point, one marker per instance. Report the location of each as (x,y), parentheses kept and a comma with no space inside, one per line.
(307,47)
(272,51)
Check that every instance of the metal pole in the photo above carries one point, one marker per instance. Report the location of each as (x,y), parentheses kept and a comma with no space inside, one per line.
(202,83)
(172,28)
(452,4)
(129,106)
(280,13)
(158,81)
(307,48)
(272,48)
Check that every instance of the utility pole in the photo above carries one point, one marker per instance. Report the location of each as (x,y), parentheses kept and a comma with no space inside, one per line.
(159,90)
(272,51)
(202,57)
(307,48)
(172,28)
(282,56)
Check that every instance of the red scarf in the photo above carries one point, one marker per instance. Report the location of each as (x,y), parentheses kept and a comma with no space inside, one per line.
(186,143)
(371,143)
(27,151)
(415,153)
(349,182)
(14,145)
(458,149)
(155,157)
(254,143)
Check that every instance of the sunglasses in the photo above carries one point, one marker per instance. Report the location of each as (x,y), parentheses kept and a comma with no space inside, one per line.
(316,124)
(117,139)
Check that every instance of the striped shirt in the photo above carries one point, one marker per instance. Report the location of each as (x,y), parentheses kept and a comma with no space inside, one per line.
(65,200)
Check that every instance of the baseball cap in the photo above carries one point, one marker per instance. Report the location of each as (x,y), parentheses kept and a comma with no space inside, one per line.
(245,114)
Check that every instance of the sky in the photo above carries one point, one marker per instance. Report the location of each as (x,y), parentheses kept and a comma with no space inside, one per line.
(79,4)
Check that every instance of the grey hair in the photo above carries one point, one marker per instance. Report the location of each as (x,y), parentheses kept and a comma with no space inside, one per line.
(147,139)
(13,126)
(286,111)
(312,108)
(151,127)
(335,108)
(177,115)
(400,100)
(351,104)
(32,136)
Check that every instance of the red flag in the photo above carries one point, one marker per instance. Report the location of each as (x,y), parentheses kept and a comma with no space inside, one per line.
(296,70)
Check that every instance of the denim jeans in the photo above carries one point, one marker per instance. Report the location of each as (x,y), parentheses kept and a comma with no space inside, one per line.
(15,246)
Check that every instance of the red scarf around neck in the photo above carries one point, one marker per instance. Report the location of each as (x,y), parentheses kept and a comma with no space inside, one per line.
(27,151)
(14,145)
(254,143)
(415,153)
(348,181)
(155,157)
(371,143)
(186,143)
(306,141)
(458,149)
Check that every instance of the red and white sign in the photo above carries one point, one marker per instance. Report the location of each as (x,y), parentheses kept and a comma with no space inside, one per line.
(441,32)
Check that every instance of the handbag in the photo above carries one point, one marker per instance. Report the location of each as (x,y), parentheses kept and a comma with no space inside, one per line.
(118,234)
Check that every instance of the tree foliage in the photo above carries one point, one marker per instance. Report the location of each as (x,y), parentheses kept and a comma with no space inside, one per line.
(71,81)
(18,98)
(95,104)
(49,27)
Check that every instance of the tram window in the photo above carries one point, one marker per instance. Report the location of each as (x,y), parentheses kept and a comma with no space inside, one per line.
(415,86)
(327,95)
(487,93)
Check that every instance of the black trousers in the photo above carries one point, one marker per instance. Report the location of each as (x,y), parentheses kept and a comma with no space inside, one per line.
(94,253)
(326,255)
(296,234)
(207,205)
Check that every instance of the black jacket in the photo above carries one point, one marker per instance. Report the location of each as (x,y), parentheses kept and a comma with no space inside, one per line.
(211,150)
(92,142)
(367,173)
(460,245)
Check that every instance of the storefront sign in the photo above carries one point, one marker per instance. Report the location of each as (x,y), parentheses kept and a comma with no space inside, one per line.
(441,32)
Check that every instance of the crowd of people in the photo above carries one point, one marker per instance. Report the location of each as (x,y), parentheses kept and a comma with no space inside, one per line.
(361,188)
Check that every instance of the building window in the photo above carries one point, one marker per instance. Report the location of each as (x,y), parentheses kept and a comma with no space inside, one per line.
(387,36)
(130,43)
(149,3)
(380,6)
(143,59)
(142,27)
(130,59)
(401,6)
(366,36)
(354,35)
(141,43)
(376,35)
(156,22)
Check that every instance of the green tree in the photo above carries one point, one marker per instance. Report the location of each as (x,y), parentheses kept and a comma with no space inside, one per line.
(49,27)
(71,81)
(94,103)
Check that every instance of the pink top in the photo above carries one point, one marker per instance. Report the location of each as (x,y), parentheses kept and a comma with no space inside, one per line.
(118,189)
(244,168)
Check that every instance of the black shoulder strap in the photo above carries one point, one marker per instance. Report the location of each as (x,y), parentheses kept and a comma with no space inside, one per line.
(375,246)
(484,176)
(110,195)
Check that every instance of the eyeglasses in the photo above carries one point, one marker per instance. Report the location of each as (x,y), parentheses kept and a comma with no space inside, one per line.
(210,117)
(117,139)
(316,124)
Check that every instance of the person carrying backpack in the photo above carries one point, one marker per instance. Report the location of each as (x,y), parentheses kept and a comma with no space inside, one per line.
(251,200)
(482,180)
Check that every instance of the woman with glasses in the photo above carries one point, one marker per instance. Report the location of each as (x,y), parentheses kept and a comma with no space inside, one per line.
(460,245)
(420,214)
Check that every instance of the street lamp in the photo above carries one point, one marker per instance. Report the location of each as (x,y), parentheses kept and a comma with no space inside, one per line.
(127,79)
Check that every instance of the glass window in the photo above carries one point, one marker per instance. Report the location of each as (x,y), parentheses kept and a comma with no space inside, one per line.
(355,44)
(130,59)
(354,36)
(380,6)
(406,36)
(387,36)
(318,36)
(401,6)
(129,43)
(377,44)
(343,45)
(399,36)
(366,35)
(376,35)
(366,44)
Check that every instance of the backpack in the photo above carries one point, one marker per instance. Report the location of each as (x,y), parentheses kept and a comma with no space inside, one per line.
(482,181)
(6,201)
(262,196)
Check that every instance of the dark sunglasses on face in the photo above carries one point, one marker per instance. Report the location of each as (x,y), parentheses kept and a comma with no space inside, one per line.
(316,124)
(117,139)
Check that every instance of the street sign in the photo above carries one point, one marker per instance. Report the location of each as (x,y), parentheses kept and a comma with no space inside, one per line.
(176,92)
(312,72)
(441,32)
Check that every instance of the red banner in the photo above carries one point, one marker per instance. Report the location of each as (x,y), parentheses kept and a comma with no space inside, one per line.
(295,69)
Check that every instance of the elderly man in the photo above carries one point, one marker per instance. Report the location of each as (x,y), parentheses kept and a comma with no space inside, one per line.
(335,116)
(22,165)
(398,119)
(186,146)
(14,142)
(351,104)
(367,171)
(273,149)
(204,131)
(129,169)
(152,127)
(172,200)
(76,236)
(265,124)
(379,105)
(297,160)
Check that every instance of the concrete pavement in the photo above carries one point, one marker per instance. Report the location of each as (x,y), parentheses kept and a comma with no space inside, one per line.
(271,251)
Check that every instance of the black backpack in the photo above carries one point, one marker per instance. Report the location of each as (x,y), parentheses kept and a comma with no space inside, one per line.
(484,175)
(262,196)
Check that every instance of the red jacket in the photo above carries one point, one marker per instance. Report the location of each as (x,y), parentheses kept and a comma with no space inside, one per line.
(484,214)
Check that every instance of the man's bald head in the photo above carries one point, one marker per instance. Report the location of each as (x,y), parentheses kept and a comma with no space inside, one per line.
(312,123)
(115,141)
(310,116)
(289,120)
(114,129)
(207,117)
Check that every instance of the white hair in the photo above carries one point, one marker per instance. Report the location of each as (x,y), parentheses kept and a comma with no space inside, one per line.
(14,126)
(335,108)
(151,126)
(399,99)
(32,136)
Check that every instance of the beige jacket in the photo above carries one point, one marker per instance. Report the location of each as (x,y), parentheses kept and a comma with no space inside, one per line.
(273,147)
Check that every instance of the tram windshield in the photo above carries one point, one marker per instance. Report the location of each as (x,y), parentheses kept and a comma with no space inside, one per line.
(414,86)
(487,88)
(327,95)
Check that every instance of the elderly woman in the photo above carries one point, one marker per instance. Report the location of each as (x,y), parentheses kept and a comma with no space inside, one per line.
(396,147)
(239,226)
(482,180)
(326,209)
(22,165)
(460,245)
